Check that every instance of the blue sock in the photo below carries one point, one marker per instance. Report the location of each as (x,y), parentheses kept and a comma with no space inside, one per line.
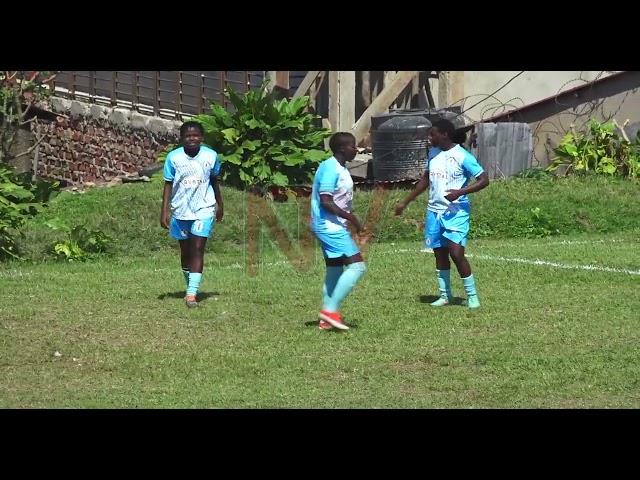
(469,285)
(330,280)
(444,283)
(194,283)
(185,272)
(345,284)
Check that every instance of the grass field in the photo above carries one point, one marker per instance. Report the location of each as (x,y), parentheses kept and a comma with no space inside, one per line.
(558,328)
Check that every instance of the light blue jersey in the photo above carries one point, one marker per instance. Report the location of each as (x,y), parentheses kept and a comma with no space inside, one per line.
(449,170)
(192,197)
(333,179)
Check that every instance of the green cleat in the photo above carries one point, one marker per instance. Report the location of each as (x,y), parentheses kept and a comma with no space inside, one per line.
(441,302)
(473,301)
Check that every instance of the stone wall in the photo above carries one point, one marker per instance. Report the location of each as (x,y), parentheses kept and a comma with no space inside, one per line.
(94,143)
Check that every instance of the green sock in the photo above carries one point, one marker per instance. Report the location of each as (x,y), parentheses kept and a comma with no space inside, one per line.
(330,281)
(469,285)
(194,283)
(444,282)
(345,284)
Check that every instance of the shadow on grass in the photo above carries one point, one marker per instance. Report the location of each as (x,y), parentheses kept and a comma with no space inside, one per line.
(314,323)
(432,298)
(201,295)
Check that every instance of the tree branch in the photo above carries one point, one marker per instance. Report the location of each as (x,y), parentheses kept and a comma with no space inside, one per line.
(39,139)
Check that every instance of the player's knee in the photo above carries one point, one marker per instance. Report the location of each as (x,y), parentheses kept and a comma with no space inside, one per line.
(457,255)
(360,267)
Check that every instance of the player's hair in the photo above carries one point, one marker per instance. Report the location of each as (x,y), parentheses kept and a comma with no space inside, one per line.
(340,139)
(446,127)
(191,124)
(460,137)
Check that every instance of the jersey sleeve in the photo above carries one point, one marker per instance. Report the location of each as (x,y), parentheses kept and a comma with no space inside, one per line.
(169,169)
(328,180)
(215,171)
(471,166)
(433,151)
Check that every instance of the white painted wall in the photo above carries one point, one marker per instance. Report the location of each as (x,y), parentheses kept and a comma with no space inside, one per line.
(529,87)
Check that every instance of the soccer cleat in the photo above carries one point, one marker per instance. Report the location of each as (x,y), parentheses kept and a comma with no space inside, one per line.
(322,325)
(473,301)
(441,302)
(190,300)
(334,319)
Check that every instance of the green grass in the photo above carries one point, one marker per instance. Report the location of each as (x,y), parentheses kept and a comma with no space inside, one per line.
(130,213)
(545,337)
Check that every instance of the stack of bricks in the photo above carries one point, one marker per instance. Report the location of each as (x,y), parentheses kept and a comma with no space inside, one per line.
(90,143)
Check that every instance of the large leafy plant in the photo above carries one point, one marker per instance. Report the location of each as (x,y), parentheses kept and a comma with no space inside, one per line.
(601,149)
(264,142)
(20,199)
(80,242)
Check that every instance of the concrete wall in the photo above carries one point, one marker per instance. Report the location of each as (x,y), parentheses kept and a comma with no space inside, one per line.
(529,87)
(93,143)
(548,133)
(617,97)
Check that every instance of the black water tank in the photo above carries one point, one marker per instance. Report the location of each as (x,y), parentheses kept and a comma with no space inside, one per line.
(452,114)
(399,145)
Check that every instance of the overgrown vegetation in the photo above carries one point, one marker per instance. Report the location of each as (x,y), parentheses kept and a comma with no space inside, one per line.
(265,142)
(80,242)
(20,198)
(602,149)
(516,208)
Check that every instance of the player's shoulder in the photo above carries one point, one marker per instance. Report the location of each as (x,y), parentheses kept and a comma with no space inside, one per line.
(329,165)
(208,151)
(175,154)
(466,155)
(433,153)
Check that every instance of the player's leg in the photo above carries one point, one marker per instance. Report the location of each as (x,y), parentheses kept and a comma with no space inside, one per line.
(340,245)
(184,259)
(334,269)
(434,240)
(200,232)
(456,231)
(179,229)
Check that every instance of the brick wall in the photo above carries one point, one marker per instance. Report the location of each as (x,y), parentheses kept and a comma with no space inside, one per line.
(94,143)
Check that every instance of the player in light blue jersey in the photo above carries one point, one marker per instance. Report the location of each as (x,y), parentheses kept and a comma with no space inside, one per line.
(460,138)
(448,172)
(331,200)
(191,202)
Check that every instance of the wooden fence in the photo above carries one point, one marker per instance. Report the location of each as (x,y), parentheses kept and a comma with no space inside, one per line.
(168,94)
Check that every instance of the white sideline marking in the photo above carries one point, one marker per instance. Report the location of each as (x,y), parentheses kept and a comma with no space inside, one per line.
(525,261)
(598,268)
(528,261)
(560,242)
(14,273)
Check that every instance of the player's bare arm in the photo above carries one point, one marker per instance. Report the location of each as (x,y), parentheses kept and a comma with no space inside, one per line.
(165,214)
(215,183)
(482,181)
(329,205)
(420,188)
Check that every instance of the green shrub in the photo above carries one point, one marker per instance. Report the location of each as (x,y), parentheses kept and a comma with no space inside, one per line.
(264,142)
(80,242)
(20,199)
(600,150)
